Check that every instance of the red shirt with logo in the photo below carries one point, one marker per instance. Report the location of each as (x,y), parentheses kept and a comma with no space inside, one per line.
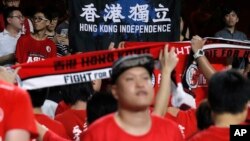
(74,122)
(29,49)
(106,129)
(51,124)
(186,121)
(15,110)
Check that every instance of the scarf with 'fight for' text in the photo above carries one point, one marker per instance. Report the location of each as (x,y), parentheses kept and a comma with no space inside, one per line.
(97,65)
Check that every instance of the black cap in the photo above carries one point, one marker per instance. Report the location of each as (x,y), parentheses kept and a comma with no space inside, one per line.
(127,62)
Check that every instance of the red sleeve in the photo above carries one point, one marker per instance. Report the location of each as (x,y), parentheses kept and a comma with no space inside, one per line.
(21,113)
(51,136)
(1,23)
(19,54)
(26,26)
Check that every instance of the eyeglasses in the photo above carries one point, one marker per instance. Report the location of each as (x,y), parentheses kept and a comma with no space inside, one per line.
(19,17)
(39,19)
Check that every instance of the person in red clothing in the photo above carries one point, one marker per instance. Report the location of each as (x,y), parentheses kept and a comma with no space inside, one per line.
(132,87)
(186,120)
(27,26)
(36,46)
(38,97)
(74,119)
(16,124)
(228,102)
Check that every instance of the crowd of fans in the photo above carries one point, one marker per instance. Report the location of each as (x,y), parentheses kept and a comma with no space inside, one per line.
(119,108)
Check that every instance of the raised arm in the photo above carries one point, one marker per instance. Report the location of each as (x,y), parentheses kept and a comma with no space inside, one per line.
(203,63)
(168,60)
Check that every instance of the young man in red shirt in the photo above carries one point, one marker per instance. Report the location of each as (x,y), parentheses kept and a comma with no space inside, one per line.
(132,87)
(36,46)
(38,97)
(229,104)
(74,119)
(17,122)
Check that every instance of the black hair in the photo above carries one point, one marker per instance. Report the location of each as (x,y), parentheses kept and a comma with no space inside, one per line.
(228,91)
(102,103)
(45,11)
(228,9)
(8,12)
(204,115)
(75,92)
(38,96)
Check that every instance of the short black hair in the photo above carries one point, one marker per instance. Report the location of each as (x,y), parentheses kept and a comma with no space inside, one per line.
(46,12)
(228,9)
(38,96)
(102,103)
(228,91)
(8,12)
(204,115)
(75,92)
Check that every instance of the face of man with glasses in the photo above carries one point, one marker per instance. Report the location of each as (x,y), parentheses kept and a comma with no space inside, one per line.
(16,20)
(40,22)
(11,3)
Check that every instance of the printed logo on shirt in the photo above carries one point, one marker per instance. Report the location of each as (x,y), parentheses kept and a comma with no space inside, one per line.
(1,114)
(48,48)
(182,129)
(34,59)
(76,131)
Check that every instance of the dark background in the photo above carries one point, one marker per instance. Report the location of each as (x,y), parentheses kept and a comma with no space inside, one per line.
(203,17)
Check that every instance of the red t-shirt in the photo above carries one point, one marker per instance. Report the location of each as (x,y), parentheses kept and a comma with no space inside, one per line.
(61,107)
(51,124)
(74,122)
(186,121)
(106,129)
(29,50)
(51,136)
(212,133)
(15,110)
(26,26)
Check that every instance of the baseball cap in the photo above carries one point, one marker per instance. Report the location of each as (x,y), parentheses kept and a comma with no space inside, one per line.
(127,62)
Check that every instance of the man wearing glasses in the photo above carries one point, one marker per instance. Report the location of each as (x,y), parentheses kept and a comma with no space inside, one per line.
(8,38)
(27,26)
(36,46)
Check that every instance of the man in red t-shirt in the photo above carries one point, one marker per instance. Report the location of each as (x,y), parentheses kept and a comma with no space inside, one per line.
(74,119)
(227,96)
(17,121)
(132,87)
(27,26)
(36,46)
(38,97)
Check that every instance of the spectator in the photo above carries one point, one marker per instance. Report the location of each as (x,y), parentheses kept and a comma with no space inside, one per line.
(230,16)
(8,38)
(36,46)
(99,105)
(228,102)
(27,27)
(203,115)
(74,119)
(38,97)
(15,124)
(131,79)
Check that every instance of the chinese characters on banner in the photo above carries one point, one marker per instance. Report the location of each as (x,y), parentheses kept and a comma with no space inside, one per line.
(94,24)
